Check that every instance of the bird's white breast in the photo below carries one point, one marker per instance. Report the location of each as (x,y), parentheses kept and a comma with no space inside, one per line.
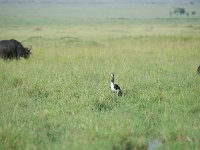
(112,87)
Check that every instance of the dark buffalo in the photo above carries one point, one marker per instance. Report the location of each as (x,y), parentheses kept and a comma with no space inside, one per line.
(10,49)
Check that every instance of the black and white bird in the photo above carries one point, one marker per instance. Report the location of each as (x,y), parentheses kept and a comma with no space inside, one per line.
(114,87)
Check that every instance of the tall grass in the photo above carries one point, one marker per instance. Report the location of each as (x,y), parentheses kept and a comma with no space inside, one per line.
(60,98)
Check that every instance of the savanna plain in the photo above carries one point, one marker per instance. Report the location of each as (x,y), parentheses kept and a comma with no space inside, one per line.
(60,97)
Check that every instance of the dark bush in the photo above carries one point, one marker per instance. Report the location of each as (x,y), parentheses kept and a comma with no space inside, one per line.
(193,12)
(179,11)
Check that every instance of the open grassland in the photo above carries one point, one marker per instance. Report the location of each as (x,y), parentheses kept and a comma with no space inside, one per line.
(60,98)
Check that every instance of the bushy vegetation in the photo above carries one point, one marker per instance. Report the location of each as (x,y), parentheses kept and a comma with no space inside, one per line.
(179,11)
(60,98)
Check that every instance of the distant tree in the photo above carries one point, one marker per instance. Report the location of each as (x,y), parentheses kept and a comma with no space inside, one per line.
(193,12)
(179,11)
(187,14)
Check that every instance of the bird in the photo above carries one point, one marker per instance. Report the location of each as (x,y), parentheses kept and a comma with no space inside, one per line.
(114,87)
(198,69)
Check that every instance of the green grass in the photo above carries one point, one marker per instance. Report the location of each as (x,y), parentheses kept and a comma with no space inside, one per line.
(60,98)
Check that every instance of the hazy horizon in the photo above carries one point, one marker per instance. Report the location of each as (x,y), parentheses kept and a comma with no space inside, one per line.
(103,1)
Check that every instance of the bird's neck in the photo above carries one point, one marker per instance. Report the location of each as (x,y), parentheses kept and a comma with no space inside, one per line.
(112,80)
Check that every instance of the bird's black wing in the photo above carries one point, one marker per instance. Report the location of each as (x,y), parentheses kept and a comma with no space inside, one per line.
(116,87)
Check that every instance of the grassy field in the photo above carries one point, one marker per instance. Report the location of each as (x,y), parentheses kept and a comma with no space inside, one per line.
(60,98)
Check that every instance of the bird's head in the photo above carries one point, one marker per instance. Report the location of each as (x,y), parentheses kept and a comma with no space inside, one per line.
(112,75)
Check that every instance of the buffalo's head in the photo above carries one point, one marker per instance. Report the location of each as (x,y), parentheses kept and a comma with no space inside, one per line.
(26,52)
